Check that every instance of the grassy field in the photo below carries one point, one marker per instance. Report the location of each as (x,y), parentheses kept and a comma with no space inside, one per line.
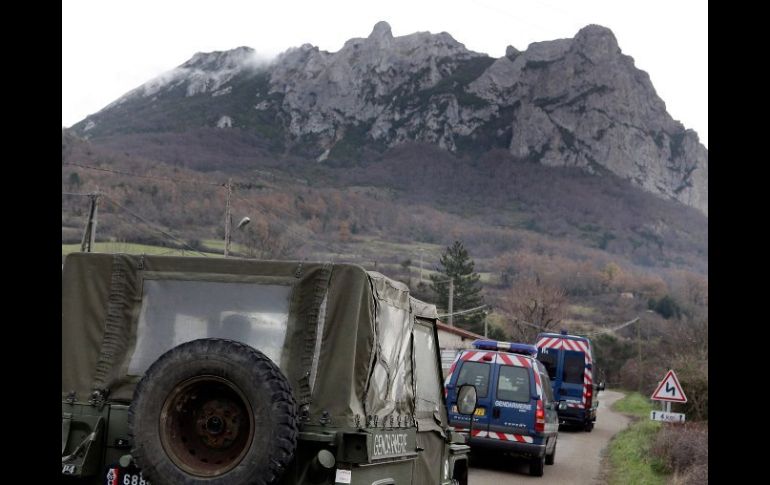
(581,310)
(217,244)
(132,248)
(630,460)
(357,252)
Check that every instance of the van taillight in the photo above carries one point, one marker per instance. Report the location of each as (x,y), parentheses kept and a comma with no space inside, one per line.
(539,417)
(588,398)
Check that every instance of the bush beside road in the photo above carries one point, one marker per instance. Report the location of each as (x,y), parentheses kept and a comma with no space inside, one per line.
(651,452)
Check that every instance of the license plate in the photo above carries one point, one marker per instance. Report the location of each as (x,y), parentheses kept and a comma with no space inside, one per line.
(479,411)
(118,475)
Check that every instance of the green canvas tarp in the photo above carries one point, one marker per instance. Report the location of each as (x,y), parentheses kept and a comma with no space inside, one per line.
(340,334)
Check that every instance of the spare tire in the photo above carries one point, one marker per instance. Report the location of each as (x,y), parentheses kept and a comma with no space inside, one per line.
(214,412)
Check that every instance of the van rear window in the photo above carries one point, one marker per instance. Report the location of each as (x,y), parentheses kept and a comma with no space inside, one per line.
(178,311)
(476,374)
(550,359)
(513,384)
(574,367)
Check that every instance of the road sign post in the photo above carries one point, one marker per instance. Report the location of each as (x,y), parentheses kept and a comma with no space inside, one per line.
(669,390)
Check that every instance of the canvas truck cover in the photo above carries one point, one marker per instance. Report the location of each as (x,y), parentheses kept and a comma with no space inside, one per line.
(340,334)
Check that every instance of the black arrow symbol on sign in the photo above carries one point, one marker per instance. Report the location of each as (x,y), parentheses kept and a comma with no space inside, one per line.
(670,389)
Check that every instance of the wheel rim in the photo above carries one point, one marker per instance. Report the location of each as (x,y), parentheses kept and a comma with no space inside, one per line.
(206,426)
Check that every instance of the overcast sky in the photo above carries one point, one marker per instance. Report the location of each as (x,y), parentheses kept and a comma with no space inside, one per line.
(112,46)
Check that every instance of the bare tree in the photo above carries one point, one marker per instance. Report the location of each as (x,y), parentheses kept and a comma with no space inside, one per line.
(267,241)
(535,307)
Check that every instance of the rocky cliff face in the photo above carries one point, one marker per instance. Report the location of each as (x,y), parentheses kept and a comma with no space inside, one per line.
(568,102)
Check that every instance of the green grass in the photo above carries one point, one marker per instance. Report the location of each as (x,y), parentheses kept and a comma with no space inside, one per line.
(408,250)
(215,244)
(580,310)
(634,404)
(132,248)
(629,450)
(218,246)
(489,278)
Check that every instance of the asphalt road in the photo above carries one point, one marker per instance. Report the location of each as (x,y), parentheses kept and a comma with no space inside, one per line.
(578,454)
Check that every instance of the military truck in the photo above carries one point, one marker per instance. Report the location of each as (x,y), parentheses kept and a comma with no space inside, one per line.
(182,370)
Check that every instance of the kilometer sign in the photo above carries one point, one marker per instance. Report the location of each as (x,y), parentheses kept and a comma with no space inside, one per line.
(667,417)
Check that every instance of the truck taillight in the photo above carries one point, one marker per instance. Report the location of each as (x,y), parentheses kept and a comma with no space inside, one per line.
(539,417)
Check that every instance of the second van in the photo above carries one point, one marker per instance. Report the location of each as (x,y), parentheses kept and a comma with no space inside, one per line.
(569,361)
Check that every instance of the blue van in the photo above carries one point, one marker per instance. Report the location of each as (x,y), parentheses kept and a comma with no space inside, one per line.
(516,412)
(569,361)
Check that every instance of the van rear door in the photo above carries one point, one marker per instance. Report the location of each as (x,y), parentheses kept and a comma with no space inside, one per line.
(515,400)
(572,385)
(473,367)
(550,359)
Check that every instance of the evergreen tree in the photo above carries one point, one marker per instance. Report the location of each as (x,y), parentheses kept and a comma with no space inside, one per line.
(457,265)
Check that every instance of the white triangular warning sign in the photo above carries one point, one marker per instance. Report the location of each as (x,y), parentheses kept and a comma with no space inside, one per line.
(669,389)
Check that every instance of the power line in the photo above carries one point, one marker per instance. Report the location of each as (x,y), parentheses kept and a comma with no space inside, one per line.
(529,324)
(246,185)
(295,232)
(615,329)
(587,334)
(76,194)
(151,177)
(174,238)
(462,312)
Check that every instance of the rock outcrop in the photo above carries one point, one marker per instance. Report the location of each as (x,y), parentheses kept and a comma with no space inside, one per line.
(568,102)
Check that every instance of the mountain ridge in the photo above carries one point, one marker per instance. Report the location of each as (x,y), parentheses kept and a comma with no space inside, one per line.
(576,102)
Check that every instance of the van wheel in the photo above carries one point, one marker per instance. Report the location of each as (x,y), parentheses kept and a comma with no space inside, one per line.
(460,473)
(589,425)
(550,459)
(213,412)
(536,466)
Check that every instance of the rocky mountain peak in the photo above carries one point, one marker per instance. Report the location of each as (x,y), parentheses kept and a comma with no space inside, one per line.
(597,42)
(511,52)
(576,102)
(220,60)
(381,31)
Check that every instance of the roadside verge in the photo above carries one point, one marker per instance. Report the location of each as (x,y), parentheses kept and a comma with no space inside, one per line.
(629,458)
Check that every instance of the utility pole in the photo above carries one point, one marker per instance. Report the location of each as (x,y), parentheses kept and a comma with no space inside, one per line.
(451,301)
(639,340)
(228,218)
(89,235)
(421,251)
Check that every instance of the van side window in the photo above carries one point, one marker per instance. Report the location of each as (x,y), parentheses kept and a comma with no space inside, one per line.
(476,374)
(550,359)
(574,367)
(513,384)
(546,385)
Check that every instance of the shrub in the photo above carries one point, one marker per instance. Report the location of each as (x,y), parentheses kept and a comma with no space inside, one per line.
(693,376)
(683,449)
(697,406)
(611,353)
(666,307)
(651,373)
